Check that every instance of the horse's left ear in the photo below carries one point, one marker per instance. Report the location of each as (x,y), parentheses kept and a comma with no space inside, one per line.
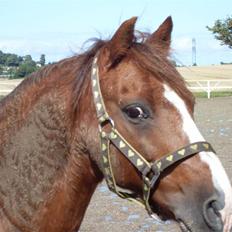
(120,43)
(162,35)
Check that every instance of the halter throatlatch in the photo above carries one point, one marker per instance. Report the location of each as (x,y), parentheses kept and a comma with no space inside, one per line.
(150,171)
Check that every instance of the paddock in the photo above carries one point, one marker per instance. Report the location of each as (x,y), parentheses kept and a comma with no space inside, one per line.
(107,212)
(208,79)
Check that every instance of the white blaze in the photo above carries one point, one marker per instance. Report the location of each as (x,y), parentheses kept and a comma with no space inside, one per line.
(220,179)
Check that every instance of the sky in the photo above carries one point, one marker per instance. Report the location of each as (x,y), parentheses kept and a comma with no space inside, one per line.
(60,28)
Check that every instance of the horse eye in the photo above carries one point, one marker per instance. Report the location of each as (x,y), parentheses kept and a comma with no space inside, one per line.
(135,112)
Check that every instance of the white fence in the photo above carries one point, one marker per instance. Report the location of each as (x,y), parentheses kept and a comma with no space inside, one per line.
(210,86)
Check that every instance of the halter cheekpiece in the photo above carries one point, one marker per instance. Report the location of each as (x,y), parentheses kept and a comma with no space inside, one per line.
(150,171)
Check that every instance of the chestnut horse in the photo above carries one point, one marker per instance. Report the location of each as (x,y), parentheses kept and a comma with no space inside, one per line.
(51,127)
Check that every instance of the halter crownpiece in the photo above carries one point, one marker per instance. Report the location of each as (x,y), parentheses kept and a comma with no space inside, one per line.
(150,171)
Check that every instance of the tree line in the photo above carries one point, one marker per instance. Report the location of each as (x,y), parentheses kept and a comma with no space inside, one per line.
(19,66)
(222,30)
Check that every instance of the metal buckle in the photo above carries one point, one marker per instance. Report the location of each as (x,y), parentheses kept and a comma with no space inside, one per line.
(150,175)
(146,171)
(156,173)
(103,123)
(147,181)
(151,181)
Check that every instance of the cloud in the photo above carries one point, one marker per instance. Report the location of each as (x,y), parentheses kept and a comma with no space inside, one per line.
(217,46)
(182,44)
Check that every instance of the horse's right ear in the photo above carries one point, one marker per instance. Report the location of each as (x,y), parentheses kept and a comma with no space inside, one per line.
(119,45)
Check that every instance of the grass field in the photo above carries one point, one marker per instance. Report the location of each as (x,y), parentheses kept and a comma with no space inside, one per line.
(206,72)
(213,94)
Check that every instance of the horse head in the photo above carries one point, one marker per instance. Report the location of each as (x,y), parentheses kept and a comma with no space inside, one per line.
(142,101)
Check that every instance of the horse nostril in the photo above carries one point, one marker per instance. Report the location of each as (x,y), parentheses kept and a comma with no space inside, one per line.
(212,215)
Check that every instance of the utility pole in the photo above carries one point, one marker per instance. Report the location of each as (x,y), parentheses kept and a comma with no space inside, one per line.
(194,52)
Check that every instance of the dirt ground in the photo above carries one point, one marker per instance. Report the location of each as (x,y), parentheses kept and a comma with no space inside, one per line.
(107,212)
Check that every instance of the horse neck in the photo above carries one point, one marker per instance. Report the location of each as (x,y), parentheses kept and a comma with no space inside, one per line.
(65,209)
(31,119)
(72,193)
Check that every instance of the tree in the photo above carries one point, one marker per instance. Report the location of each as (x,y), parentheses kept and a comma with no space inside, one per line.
(222,30)
(24,70)
(20,59)
(42,60)
(12,60)
(27,59)
(27,66)
(1,70)
(2,58)
(17,66)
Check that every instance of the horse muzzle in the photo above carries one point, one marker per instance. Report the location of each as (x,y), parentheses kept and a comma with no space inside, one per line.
(194,211)
(200,217)
(211,213)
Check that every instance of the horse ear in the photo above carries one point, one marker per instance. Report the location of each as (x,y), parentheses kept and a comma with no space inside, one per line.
(120,43)
(162,35)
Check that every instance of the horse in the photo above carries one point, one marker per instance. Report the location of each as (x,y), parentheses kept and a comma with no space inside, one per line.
(119,111)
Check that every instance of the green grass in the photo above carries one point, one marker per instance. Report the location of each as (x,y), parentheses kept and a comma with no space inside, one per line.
(213,94)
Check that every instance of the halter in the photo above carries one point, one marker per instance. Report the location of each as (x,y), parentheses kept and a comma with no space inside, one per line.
(150,171)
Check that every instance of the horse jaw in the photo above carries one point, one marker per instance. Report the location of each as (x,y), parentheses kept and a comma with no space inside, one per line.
(219,178)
